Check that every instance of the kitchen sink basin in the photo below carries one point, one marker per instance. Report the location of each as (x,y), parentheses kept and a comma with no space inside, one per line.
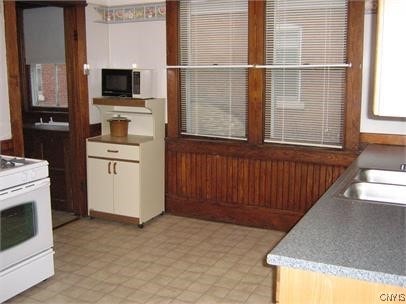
(378,192)
(52,123)
(382,176)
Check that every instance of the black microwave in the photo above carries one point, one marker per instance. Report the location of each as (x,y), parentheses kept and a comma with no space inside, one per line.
(117,82)
(134,83)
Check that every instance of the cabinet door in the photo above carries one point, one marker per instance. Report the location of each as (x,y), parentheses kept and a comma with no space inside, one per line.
(100,185)
(126,188)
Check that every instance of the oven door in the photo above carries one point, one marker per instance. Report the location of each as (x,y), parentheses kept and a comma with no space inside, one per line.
(25,222)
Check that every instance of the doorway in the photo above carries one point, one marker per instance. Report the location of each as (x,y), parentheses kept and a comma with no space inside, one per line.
(27,92)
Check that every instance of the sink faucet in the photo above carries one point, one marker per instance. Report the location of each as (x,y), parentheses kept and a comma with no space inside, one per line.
(403,167)
(51,120)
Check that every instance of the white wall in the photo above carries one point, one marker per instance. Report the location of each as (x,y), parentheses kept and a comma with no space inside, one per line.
(121,45)
(368,124)
(5,128)
(98,54)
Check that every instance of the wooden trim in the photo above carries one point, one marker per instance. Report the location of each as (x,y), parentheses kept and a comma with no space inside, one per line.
(114,217)
(276,285)
(24,69)
(125,102)
(173,75)
(75,50)
(58,3)
(7,147)
(300,286)
(249,216)
(354,74)
(256,77)
(385,139)
(263,152)
(14,77)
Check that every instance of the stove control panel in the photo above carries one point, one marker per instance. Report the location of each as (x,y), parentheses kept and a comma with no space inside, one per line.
(24,174)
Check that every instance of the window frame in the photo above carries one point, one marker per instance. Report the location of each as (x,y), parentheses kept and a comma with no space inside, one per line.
(256,77)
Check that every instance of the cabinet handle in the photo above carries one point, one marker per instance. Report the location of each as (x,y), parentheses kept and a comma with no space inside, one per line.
(112,151)
(114,168)
(109,170)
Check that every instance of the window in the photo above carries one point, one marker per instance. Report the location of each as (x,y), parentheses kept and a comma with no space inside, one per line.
(305,62)
(305,72)
(44,45)
(48,85)
(214,55)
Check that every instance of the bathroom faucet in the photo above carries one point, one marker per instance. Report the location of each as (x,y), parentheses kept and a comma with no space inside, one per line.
(403,167)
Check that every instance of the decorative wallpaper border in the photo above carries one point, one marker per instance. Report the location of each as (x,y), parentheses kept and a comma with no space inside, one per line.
(157,11)
(132,13)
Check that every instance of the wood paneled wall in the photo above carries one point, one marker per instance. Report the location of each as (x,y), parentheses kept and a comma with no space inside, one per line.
(272,188)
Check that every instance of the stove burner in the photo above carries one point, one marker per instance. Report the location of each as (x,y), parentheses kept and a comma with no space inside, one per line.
(10,163)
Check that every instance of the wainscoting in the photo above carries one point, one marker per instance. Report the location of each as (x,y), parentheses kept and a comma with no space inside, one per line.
(262,187)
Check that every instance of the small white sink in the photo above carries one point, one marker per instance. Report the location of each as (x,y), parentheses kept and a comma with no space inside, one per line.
(53,123)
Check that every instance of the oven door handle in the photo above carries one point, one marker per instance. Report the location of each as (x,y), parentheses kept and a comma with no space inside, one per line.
(24,188)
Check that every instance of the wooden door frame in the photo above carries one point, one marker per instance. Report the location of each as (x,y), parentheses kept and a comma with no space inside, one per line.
(75,49)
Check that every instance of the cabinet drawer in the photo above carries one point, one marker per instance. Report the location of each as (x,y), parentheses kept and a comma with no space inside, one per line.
(113,151)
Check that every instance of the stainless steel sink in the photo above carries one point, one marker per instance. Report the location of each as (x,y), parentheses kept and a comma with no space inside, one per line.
(382,176)
(370,191)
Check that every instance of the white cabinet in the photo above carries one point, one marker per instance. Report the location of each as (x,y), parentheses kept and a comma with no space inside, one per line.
(125,175)
(113,187)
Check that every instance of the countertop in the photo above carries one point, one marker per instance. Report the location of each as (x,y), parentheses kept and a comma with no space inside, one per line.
(354,239)
(133,140)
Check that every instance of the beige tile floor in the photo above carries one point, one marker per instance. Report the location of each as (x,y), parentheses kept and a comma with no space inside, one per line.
(172,260)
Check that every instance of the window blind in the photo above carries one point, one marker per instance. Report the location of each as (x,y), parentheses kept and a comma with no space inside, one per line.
(305,71)
(214,53)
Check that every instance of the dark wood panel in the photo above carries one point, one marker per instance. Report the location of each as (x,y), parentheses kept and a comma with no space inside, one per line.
(354,74)
(7,147)
(256,50)
(14,77)
(240,183)
(53,146)
(172,58)
(75,50)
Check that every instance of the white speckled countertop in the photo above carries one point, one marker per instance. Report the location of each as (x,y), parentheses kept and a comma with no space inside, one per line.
(351,238)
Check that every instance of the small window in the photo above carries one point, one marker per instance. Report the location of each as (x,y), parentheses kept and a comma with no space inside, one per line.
(49,85)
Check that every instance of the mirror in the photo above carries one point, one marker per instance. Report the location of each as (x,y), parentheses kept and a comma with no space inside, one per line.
(390,64)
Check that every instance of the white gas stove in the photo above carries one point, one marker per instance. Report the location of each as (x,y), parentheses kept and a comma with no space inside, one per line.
(26,242)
